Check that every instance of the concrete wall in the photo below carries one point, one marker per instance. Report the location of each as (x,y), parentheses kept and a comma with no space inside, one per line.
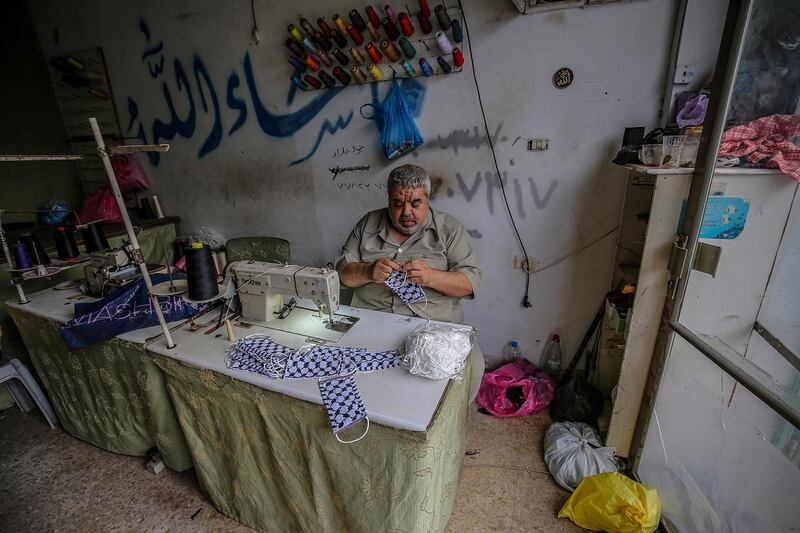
(31,122)
(251,157)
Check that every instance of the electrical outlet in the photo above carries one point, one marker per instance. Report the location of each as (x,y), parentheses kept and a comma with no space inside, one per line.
(684,74)
(520,263)
(539,144)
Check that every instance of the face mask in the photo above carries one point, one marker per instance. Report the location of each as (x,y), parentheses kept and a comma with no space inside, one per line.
(408,291)
(321,362)
(342,402)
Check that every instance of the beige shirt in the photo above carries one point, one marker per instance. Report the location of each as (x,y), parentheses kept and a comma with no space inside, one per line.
(442,242)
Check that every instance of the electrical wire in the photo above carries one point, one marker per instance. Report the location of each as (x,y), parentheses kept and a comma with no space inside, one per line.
(525,301)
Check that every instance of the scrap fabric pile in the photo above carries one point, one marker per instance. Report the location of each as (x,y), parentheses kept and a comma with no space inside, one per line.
(774,140)
(334,366)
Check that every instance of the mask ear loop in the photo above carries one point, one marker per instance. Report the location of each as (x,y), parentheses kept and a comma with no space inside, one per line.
(354,440)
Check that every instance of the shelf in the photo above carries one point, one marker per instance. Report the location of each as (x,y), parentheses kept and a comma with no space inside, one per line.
(731,171)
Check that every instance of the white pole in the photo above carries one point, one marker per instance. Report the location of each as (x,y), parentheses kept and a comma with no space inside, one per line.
(138,258)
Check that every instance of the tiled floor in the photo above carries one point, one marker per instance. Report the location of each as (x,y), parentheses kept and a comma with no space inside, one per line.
(50,481)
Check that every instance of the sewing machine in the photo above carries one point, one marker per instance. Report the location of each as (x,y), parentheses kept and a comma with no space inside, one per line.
(262,286)
(108,270)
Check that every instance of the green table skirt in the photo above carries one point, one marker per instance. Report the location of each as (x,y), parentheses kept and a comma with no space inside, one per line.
(271,461)
(151,240)
(111,394)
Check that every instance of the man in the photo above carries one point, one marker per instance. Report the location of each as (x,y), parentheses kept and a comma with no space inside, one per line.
(432,248)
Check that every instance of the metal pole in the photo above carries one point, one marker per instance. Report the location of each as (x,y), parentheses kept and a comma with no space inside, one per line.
(138,258)
(752,377)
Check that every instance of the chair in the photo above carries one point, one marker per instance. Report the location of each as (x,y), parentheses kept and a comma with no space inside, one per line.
(25,390)
(268,249)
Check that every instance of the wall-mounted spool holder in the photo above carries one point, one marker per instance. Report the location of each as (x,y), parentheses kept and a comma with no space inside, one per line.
(425,46)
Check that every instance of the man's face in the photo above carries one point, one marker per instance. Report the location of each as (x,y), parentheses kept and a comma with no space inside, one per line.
(408,208)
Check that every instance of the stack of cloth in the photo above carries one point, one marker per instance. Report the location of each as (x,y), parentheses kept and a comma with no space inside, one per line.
(334,366)
(774,140)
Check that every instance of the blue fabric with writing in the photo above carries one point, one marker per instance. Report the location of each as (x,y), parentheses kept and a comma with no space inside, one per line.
(126,309)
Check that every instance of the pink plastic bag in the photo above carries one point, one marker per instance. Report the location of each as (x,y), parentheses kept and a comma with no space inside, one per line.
(520,381)
(129,172)
(101,205)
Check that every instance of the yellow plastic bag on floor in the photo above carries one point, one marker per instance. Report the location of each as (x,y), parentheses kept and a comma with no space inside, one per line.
(614,503)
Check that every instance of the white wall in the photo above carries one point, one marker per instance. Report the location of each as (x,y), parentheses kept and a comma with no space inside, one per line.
(564,199)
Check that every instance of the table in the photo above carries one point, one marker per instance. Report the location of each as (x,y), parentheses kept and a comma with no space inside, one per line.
(154,233)
(263,449)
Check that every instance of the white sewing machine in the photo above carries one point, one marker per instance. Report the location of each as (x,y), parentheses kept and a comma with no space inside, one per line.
(262,286)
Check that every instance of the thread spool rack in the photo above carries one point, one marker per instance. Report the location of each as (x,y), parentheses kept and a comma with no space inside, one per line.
(425,46)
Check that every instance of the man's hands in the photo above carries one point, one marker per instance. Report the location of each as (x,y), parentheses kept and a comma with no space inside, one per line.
(420,272)
(381,269)
(454,284)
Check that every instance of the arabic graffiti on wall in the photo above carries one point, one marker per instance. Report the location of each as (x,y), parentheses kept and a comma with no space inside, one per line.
(185,89)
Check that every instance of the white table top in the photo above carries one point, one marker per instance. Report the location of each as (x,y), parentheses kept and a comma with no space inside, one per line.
(392,397)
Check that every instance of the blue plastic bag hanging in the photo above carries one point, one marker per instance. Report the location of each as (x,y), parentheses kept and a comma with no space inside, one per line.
(399,132)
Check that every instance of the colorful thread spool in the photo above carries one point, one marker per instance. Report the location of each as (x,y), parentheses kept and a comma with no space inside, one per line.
(340,57)
(358,74)
(22,258)
(342,76)
(299,83)
(65,243)
(311,80)
(444,64)
(425,66)
(355,34)
(338,38)
(458,35)
(323,41)
(458,57)
(326,79)
(424,23)
(306,25)
(391,30)
(358,20)
(372,31)
(375,72)
(374,53)
(312,63)
(390,13)
(295,33)
(340,24)
(325,58)
(357,57)
(442,16)
(373,17)
(444,43)
(311,47)
(323,27)
(35,249)
(295,48)
(423,5)
(390,50)
(296,63)
(408,49)
(408,68)
(406,26)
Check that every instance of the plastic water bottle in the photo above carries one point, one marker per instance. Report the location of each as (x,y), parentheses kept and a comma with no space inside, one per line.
(513,352)
(552,359)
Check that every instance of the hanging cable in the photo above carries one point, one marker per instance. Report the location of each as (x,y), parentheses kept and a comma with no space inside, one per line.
(256,31)
(525,301)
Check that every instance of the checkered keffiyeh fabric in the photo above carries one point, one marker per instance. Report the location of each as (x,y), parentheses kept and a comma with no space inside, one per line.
(408,291)
(774,138)
(342,402)
(340,395)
